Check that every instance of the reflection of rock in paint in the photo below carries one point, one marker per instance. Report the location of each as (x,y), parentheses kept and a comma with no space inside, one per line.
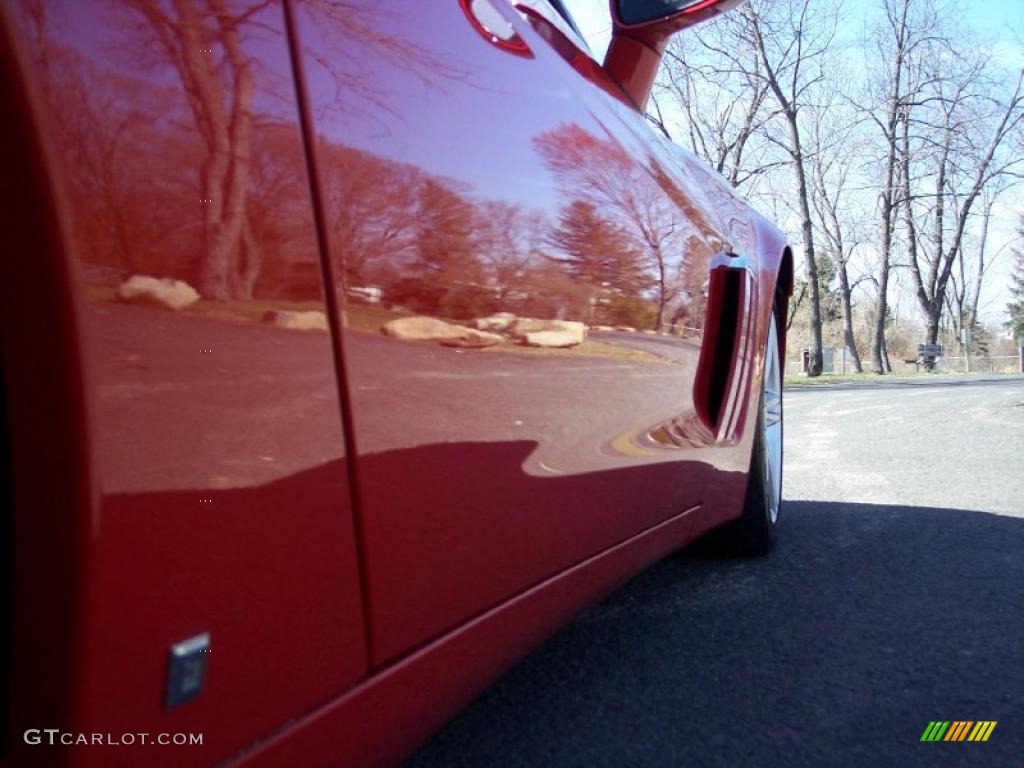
(371,294)
(555,339)
(500,321)
(549,333)
(313,320)
(160,292)
(421,328)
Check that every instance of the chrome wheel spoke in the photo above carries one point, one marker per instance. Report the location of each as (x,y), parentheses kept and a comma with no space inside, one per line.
(772,424)
(772,408)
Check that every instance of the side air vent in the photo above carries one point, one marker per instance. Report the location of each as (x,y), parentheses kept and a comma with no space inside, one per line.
(718,348)
(720,344)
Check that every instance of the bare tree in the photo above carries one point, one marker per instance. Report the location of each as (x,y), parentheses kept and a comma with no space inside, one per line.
(927,143)
(956,159)
(713,81)
(963,295)
(832,164)
(791,39)
(898,39)
(982,261)
(204,45)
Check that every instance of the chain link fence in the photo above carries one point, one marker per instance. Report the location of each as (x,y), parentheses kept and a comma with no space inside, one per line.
(837,364)
(993,364)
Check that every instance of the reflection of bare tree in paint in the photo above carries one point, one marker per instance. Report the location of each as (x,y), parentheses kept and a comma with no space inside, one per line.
(350,40)
(202,41)
(131,161)
(373,204)
(87,113)
(700,242)
(509,243)
(445,247)
(604,175)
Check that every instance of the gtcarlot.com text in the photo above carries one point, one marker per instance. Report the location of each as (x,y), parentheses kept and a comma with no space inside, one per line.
(54,736)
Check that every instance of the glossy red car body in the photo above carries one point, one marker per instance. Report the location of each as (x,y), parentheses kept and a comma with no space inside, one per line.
(370,529)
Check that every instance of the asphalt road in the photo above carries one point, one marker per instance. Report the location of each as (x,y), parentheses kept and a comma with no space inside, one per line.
(896,597)
(954,442)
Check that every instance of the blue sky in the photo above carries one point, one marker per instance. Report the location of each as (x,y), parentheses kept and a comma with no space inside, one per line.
(1003,20)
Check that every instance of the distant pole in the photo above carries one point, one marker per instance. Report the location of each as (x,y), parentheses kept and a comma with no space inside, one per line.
(965,337)
(1020,354)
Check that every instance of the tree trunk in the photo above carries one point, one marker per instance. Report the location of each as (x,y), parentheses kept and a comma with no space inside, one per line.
(789,107)
(225,125)
(972,304)
(848,337)
(814,365)
(662,287)
(248,261)
(878,358)
(879,354)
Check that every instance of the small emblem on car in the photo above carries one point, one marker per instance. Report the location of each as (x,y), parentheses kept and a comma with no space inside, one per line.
(186,669)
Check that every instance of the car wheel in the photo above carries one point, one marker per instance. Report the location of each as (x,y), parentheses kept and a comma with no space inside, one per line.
(756,531)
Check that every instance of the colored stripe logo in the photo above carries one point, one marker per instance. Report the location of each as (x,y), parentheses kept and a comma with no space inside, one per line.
(958,730)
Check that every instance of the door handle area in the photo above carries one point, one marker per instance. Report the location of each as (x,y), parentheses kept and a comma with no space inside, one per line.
(494,27)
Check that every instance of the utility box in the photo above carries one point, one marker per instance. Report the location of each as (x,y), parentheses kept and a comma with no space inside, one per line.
(827,360)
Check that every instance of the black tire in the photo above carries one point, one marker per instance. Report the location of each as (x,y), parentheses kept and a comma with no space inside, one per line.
(755,532)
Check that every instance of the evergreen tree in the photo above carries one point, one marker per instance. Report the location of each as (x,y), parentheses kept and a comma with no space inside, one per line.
(596,251)
(1015,309)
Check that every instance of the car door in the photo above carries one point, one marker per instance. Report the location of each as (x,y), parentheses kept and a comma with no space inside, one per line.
(217,516)
(474,170)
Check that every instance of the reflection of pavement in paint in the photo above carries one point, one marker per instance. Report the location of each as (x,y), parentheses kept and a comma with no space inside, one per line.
(408,394)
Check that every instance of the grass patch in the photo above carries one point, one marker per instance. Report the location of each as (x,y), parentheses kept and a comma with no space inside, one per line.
(586,349)
(797,380)
(236,310)
(247,311)
(368,318)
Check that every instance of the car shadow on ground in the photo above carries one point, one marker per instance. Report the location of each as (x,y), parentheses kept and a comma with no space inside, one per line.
(866,623)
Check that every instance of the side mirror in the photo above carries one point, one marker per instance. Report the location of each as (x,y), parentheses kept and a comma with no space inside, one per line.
(640,31)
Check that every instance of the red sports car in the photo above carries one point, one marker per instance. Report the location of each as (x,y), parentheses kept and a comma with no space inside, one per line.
(349,348)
